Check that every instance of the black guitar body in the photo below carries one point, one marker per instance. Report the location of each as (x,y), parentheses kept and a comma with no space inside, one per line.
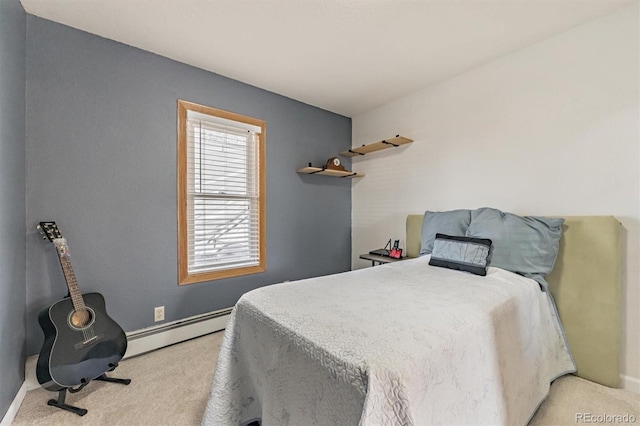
(74,355)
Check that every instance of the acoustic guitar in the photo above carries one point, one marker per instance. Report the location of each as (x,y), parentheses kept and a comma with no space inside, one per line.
(81,341)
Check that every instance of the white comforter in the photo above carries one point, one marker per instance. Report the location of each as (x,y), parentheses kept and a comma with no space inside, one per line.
(398,344)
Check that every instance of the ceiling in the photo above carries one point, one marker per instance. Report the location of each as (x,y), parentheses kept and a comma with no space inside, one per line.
(345,56)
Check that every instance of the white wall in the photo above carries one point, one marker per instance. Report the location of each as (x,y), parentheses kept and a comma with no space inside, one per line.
(549,129)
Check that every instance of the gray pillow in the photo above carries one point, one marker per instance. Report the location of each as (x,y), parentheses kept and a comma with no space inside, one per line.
(452,222)
(526,245)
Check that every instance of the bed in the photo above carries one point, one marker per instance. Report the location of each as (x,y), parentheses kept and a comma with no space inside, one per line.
(387,345)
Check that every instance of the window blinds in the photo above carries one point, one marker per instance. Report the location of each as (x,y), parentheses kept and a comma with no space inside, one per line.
(222,194)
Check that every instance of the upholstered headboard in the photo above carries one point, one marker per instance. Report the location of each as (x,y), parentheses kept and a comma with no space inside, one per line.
(585,283)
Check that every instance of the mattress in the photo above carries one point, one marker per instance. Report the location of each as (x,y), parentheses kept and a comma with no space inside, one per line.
(403,343)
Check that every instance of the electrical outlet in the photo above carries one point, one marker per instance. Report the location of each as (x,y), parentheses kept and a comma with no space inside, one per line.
(158,313)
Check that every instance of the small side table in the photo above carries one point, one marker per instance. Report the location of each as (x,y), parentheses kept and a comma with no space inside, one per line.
(374,258)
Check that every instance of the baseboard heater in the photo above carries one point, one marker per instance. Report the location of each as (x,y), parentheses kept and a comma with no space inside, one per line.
(151,338)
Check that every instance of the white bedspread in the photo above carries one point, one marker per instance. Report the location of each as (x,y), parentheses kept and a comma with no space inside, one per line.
(398,344)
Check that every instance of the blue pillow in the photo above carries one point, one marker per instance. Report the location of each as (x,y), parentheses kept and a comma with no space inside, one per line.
(461,253)
(452,222)
(526,245)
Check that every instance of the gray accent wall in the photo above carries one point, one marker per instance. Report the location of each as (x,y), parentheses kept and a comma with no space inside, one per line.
(101,162)
(12,200)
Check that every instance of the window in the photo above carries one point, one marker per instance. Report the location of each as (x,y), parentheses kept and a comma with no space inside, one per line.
(221,194)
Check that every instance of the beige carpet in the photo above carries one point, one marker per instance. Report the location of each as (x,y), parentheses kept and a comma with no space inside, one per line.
(170,386)
(573,400)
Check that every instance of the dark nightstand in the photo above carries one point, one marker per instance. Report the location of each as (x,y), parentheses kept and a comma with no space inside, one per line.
(374,258)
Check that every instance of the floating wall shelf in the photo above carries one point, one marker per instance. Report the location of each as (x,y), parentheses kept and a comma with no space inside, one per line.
(328,172)
(377,146)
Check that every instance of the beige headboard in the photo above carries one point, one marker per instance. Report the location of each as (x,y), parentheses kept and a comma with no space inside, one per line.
(585,284)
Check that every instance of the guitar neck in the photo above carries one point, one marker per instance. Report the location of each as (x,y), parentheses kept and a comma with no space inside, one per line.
(69,275)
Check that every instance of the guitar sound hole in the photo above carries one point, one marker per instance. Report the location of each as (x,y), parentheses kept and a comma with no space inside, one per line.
(82,318)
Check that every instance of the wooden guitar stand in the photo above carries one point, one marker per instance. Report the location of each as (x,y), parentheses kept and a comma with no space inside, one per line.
(62,394)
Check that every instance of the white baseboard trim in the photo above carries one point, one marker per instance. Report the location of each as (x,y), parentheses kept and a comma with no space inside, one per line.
(11,413)
(152,338)
(630,383)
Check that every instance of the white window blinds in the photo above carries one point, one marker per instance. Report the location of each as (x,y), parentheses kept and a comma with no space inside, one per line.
(222,193)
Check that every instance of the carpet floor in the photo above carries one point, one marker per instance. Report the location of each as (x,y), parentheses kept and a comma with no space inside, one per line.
(170,386)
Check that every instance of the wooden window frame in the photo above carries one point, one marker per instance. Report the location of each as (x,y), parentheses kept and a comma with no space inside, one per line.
(184,277)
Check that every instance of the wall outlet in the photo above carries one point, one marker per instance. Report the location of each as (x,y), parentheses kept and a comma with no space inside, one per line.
(158,313)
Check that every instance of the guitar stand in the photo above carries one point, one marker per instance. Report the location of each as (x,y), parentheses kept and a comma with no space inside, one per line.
(62,394)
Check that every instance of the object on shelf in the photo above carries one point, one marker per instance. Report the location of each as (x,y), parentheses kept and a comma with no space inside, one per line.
(334,163)
(377,146)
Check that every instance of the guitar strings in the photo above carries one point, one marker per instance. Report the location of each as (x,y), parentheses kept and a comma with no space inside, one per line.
(83,315)
(82,312)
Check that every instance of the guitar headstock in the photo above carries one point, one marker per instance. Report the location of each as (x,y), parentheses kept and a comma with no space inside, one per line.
(49,230)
